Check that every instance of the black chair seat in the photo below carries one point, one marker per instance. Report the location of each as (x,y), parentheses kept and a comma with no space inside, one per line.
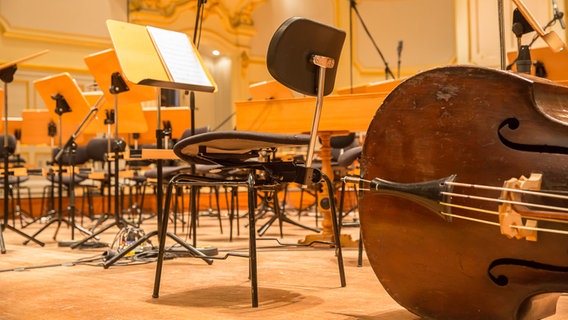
(347,157)
(65,180)
(138,178)
(232,147)
(16,180)
(169,171)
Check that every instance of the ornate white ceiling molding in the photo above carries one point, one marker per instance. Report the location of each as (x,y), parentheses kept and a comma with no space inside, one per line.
(228,19)
(164,8)
(22,33)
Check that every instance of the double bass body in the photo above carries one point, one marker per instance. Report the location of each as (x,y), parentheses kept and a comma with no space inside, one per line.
(485,126)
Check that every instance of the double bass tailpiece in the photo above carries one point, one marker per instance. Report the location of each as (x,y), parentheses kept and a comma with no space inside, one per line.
(430,194)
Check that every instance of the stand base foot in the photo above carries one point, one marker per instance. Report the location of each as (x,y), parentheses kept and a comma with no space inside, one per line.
(66,243)
(209,251)
(83,245)
(346,240)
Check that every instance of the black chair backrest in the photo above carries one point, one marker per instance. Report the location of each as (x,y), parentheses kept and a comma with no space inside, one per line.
(341,142)
(347,158)
(187,132)
(80,156)
(98,147)
(11,144)
(292,47)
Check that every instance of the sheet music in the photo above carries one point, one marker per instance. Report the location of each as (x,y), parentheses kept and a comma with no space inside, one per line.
(179,57)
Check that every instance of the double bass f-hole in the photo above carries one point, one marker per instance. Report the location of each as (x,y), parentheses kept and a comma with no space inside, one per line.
(514,127)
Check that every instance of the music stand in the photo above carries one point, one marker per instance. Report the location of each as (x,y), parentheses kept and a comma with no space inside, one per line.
(61,95)
(165,59)
(7,72)
(106,70)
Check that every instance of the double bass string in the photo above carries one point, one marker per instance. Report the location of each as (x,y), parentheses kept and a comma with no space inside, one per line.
(353,179)
(357,180)
(536,205)
(531,192)
(495,223)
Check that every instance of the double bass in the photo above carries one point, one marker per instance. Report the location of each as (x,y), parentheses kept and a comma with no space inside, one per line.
(438,157)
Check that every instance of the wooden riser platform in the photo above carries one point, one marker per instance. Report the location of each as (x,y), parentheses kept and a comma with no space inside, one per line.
(207,202)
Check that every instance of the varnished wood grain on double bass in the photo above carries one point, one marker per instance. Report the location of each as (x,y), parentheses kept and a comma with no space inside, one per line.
(485,126)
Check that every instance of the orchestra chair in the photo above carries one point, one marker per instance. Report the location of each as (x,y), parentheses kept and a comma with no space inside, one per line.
(138,182)
(176,214)
(294,58)
(49,191)
(202,170)
(136,185)
(76,159)
(15,184)
(169,171)
(98,151)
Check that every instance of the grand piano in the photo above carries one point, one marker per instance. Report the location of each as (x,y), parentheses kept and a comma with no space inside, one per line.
(274,109)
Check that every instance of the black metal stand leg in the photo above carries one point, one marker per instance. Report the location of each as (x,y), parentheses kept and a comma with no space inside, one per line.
(95,234)
(2,244)
(9,227)
(281,216)
(58,221)
(360,251)
(162,233)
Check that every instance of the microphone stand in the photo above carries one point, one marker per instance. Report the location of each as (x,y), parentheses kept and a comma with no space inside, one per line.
(7,76)
(353,8)
(350,47)
(118,85)
(70,147)
(194,189)
(501,21)
(522,26)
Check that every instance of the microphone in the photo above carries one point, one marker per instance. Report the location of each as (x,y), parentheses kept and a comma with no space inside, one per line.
(558,15)
(552,39)
(399,51)
(51,129)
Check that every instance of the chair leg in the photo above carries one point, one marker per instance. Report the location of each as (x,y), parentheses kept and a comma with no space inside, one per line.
(216,189)
(24,216)
(162,230)
(236,195)
(301,201)
(252,240)
(360,251)
(341,203)
(336,233)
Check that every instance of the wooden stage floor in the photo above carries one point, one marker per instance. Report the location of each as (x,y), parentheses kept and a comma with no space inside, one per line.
(55,282)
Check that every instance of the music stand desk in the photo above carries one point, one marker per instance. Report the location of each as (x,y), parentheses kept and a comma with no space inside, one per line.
(102,65)
(66,86)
